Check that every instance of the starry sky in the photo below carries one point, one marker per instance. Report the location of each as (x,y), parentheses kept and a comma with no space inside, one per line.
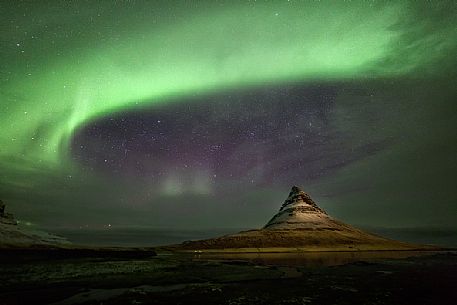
(203,114)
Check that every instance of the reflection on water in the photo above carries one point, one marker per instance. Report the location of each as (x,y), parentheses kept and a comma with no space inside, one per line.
(310,259)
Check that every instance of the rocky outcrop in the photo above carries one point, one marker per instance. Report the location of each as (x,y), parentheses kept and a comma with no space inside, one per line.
(6,218)
(2,208)
(13,235)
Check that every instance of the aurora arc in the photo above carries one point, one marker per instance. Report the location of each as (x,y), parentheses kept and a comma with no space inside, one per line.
(231,46)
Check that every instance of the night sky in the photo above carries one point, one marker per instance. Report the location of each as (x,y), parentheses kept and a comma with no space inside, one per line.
(203,114)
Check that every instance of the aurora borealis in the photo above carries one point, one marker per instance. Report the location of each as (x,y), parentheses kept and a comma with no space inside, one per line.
(173,113)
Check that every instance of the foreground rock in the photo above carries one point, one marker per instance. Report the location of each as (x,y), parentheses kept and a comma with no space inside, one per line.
(300,225)
(179,279)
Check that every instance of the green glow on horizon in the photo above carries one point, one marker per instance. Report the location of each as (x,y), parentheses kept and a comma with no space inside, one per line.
(231,47)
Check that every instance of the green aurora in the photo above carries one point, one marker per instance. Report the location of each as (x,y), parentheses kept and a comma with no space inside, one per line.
(66,64)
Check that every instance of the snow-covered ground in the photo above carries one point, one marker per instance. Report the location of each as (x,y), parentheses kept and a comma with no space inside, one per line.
(17,236)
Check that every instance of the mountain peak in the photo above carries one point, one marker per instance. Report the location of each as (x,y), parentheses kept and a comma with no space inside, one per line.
(299,211)
(295,189)
(296,196)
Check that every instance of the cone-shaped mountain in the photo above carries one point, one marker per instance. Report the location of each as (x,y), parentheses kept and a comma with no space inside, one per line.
(300,225)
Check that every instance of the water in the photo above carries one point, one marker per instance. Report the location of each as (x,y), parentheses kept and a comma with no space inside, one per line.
(143,237)
(136,237)
(444,237)
(311,259)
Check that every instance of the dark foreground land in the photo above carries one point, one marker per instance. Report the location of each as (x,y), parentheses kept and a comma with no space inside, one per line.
(331,278)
